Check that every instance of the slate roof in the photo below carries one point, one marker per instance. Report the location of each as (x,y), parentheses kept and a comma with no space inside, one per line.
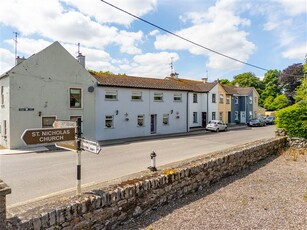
(168,83)
(237,90)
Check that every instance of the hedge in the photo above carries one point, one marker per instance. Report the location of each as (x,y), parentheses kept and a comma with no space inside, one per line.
(294,120)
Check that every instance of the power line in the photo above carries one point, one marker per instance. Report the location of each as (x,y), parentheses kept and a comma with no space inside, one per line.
(183,38)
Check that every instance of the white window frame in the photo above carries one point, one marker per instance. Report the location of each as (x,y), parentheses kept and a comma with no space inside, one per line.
(250,100)
(236,100)
(213,115)
(256,100)
(195,98)
(51,116)
(214,97)
(250,114)
(228,99)
(111,95)
(158,97)
(136,96)
(2,95)
(81,98)
(221,99)
(221,116)
(177,97)
(109,118)
(165,119)
(140,120)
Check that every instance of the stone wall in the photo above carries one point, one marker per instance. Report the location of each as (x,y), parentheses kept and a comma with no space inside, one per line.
(106,207)
(4,190)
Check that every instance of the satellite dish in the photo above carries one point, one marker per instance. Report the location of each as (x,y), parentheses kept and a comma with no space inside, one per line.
(91,89)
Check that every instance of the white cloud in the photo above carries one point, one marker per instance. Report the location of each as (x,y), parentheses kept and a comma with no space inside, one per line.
(104,13)
(7,60)
(52,20)
(294,7)
(211,30)
(296,52)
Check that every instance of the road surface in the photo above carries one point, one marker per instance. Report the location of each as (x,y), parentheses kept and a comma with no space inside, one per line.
(34,175)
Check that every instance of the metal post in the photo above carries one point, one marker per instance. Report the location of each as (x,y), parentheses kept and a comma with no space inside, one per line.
(79,156)
(153,161)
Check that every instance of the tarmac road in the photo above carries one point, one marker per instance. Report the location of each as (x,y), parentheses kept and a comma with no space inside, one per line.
(33,175)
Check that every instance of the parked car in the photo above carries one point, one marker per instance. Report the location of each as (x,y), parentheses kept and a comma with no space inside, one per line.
(256,122)
(270,120)
(216,125)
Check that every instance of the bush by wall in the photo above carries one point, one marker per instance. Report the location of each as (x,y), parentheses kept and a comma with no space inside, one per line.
(294,120)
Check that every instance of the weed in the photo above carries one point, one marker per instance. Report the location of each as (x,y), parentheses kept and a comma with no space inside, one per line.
(169,171)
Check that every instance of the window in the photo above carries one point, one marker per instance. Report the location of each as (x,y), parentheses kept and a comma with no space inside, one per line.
(227,99)
(194,117)
(236,115)
(178,97)
(194,97)
(250,114)
(136,96)
(221,99)
(250,100)
(256,100)
(75,118)
(2,95)
(47,122)
(165,119)
(140,120)
(213,116)
(236,100)
(158,96)
(213,98)
(109,122)
(75,98)
(111,95)
(221,116)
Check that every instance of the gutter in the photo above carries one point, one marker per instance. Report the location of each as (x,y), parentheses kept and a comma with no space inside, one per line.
(187,121)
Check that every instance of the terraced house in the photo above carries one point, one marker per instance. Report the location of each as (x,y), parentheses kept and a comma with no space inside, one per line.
(53,85)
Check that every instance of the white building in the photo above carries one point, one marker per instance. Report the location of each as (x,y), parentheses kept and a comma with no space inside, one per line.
(47,86)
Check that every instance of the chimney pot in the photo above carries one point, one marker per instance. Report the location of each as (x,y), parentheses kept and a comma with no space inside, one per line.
(204,79)
(81,59)
(19,60)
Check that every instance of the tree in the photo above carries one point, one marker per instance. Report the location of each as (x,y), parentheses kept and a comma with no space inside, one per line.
(301,92)
(290,79)
(280,102)
(225,82)
(248,80)
(268,103)
(271,84)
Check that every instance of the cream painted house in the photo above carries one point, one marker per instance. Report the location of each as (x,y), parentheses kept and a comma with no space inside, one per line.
(47,86)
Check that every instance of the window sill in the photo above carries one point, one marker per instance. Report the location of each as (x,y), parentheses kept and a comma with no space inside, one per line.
(111,99)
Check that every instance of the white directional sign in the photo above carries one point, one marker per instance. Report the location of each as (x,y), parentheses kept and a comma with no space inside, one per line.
(68,145)
(91,146)
(64,124)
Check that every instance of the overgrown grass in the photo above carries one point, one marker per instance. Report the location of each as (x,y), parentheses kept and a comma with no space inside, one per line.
(294,153)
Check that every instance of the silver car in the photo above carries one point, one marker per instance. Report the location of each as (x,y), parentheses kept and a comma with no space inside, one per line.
(216,125)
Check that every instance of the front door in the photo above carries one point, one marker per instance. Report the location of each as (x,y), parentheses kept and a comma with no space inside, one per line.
(204,119)
(229,117)
(153,123)
(243,117)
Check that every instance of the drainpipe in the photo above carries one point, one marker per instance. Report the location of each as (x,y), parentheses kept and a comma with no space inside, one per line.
(187,121)
(207,114)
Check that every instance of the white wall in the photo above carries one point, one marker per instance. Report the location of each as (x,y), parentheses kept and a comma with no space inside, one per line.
(199,107)
(147,106)
(4,113)
(42,82)
(213,107)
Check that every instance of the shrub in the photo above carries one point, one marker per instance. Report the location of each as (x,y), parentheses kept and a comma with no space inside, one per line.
(294,120)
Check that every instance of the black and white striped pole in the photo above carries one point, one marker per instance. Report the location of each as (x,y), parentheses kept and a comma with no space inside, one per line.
(78,191)
(153,162)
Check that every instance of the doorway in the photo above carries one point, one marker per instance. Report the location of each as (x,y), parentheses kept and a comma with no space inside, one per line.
(153,123)
(243,117)
(204,119)
(229,117)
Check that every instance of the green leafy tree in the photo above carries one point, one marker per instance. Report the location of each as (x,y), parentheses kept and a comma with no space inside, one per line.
(290,79)
(271,84)
(301,92)
(268,103)
(280,102)
(248,80)
(225,82)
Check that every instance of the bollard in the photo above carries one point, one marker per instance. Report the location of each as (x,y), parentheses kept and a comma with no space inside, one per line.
(153,161)
(4,190)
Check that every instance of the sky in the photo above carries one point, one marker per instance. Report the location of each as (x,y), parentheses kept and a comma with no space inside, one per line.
(270,34)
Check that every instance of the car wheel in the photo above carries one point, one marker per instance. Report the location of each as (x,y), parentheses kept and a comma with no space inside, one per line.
(225,129)
(217,130)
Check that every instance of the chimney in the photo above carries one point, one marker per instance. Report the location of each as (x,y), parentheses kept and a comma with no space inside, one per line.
(174,75)
(204,79)
(19,60)
(81,59)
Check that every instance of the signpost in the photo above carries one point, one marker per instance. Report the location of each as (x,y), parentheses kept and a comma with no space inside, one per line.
(65,134)
(43,136)
(91,146)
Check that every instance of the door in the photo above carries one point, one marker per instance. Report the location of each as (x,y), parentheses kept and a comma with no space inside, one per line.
(229,117)
(204,119)
(243,116)
(153,123)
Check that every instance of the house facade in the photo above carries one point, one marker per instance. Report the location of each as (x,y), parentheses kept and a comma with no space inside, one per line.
(47,86)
